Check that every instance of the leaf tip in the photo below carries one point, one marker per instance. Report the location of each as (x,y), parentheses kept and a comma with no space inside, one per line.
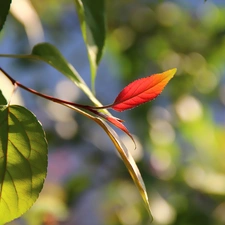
(172,71)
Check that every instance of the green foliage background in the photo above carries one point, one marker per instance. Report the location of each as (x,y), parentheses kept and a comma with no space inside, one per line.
(181,134)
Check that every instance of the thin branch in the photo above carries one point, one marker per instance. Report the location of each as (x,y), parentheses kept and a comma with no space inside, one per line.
(60,101)
(18,56)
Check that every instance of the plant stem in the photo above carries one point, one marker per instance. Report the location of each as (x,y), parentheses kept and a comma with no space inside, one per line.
(60,101)
(101,107)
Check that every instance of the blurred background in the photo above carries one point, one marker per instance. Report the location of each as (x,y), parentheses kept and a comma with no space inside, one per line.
(180,136)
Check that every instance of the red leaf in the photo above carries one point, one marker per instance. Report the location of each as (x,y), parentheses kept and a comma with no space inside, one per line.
(118,123)
(142,90)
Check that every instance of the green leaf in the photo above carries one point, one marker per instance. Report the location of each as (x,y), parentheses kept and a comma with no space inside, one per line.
(23,161)
(4,10)
(48,53)
(92,20)
(128,161)
(124,153)
(51,55)
(3,101)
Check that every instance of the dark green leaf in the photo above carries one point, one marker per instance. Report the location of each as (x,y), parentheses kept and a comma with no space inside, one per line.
(2,99)
(92,20)
(4,10)
(23,161)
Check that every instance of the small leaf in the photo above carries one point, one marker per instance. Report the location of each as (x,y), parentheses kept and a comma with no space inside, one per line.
(50,54)
(92,20)
(128,161)
(23,161)
(4,10)
(124,153)
(142,90)
(118,123)
(115,121)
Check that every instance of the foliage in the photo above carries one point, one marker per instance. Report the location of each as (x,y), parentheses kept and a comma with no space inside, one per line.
(4,8)
(23,160)
(23,142)
(92,21)
(184,130)
(179,136)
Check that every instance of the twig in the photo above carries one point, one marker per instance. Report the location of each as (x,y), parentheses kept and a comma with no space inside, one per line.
(60,101)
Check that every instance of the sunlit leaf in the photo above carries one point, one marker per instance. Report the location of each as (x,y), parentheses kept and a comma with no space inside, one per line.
(124,153)
(23,160)
(119,124)
(4,10)
(92,20)
(142,90)
(116,122)
(128,161)
(50,54)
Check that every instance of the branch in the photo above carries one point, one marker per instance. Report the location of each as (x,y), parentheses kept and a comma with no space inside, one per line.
(57,100)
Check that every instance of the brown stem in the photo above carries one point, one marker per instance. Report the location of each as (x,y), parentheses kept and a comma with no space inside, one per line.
(7,75)
(60,101)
